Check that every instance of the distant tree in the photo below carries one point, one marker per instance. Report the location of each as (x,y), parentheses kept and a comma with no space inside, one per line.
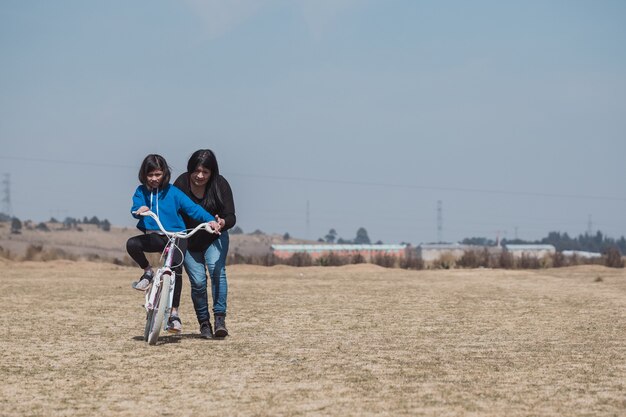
(4,217)
(320,240)
(16,226)
(331,236)
(621,244)
(361,237)
(478,241)
(53,220)
(379,242)
(286,236)
(342,241)
(70,223)
(236,231)
(85,220)
(94,220)
(257,232)
(105,225)
(43,227)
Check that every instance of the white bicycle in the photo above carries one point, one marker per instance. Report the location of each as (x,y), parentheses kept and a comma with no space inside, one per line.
(160,294)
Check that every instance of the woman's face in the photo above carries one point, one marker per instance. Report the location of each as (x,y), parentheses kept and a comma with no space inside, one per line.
(200,177)
(154,178)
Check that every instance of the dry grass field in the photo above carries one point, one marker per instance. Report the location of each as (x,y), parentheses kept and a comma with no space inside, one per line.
(348,341)
(91,241)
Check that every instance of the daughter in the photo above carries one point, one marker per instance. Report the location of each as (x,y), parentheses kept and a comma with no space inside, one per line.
(168,203)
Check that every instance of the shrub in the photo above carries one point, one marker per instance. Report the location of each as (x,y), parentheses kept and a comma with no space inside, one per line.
(357,258)
(529,262)
(5,253)
(236,258)
(300,259)
(445,261)
(474,259)
(33,252)
(558,260)
(505,260)
(332,259)
(412,262)
(614,258)
(384,260)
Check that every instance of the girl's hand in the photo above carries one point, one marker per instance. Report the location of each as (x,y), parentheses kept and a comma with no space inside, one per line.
(140,210)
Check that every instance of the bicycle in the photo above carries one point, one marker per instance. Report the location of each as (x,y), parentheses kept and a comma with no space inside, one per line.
(160,294)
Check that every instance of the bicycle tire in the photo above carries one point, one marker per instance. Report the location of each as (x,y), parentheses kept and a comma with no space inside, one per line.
(158,313)
(146,330)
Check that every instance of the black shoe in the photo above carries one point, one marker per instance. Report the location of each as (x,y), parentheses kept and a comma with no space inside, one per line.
(220,326)
(205,330)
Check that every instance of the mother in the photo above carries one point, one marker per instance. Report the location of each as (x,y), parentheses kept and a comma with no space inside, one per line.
(204,185)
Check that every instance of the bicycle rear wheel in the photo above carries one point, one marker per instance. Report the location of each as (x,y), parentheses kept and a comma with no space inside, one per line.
(158,313)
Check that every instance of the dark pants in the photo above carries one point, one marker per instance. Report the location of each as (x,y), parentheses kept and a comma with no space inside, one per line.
(153,242)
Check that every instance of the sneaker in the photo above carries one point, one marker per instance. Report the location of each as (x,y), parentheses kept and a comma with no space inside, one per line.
(220,326)
(205,330)
(174,325)
(143,283)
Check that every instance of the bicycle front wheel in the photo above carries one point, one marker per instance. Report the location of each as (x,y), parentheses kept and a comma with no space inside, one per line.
(158,314)
(148,327)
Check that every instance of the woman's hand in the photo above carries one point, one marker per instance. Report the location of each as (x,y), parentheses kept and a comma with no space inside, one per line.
(213,227)
(221,221)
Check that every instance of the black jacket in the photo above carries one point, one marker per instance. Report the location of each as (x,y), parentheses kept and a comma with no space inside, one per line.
(202,240)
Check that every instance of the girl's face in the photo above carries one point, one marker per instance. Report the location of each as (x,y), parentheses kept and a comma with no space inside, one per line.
(200,177)
(154,178)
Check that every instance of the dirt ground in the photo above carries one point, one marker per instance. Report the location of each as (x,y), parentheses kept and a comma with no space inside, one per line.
(348,341)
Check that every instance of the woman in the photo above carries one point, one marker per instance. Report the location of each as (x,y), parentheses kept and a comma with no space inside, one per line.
(204,185)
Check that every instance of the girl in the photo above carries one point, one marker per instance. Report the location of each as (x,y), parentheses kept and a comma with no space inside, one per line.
(204,185)
(168,203)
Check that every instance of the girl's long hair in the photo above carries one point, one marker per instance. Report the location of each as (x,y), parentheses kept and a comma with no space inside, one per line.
(212,200)
(153,162)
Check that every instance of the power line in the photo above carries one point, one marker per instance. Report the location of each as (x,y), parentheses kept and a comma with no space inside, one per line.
(6,199)
(350,182)
(439,221)
(64,162)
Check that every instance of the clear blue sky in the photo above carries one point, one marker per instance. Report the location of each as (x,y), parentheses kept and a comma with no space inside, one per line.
(512,113)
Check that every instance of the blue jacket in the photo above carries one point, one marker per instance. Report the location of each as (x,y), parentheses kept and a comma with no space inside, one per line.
(167,203)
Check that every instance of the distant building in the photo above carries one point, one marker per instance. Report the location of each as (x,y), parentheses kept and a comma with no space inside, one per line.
(582,254)
(317,251)
(531,251)
(431,252)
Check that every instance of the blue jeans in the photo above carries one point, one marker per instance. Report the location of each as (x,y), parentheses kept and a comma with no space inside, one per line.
(196,265)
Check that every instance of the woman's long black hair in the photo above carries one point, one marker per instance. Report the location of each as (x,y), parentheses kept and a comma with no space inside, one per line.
(212,200)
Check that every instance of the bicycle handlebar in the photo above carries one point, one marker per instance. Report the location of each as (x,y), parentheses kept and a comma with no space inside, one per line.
(183,234)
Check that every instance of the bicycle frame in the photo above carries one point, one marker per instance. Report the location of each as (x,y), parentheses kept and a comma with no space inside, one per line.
(151,295)
(157,315)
